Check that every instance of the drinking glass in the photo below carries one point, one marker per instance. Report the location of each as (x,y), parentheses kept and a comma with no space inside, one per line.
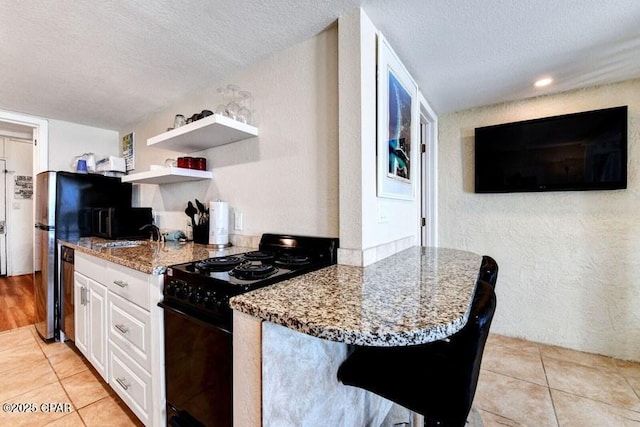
(244,113)
(222,107)
(232,106)
(179,121)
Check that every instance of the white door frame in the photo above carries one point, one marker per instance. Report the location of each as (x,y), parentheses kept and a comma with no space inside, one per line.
(40,138)
(4,261)
(429,176)
(40,151)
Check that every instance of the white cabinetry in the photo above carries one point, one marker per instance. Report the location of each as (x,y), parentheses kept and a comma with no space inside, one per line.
(90,320)
(124,337)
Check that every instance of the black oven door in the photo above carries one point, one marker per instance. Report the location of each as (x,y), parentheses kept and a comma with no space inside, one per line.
(198,371)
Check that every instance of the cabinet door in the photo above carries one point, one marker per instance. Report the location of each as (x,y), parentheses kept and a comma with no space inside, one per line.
(80,289)
(98,327)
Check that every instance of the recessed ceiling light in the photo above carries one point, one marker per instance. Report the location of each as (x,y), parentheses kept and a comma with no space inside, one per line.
(543,82)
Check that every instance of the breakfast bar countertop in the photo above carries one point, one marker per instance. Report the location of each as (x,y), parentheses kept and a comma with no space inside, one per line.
(147,256)
(413,297)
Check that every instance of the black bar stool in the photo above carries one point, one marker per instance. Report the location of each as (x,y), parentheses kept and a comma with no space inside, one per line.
(489,270)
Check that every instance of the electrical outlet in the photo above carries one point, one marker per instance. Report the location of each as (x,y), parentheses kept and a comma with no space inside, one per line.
(383,213)
(238,219)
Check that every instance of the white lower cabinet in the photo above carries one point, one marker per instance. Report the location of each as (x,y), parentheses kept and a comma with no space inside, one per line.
(119,328)
(91,319)
(131,382)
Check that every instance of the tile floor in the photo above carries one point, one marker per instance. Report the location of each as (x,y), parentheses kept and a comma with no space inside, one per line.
(527,384)
(521,384)
(55,384)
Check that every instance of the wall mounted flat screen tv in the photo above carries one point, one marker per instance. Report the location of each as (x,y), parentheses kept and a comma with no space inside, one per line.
(580,151)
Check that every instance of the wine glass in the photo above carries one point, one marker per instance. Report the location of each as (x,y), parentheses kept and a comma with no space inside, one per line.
(232,106)
(222,107)
(244,113)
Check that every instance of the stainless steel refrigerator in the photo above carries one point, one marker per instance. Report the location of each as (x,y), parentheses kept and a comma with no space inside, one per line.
(63,211)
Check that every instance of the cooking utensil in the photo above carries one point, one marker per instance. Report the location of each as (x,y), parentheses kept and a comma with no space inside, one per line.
(202,210)
(191,212)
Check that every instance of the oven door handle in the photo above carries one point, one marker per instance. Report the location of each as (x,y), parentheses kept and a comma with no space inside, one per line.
(192,317)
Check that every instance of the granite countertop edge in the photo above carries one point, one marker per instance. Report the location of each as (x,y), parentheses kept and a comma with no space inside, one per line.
(147,256)
(416,296)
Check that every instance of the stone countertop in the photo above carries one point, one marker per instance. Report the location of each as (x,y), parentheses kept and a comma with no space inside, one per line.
(148,257)
(413,297)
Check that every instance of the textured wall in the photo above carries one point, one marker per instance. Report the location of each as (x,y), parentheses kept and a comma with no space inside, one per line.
(286,179)
(569,261)
(364,237)
(68,140)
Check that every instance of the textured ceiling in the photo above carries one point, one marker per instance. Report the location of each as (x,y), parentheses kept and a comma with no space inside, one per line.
(110,63)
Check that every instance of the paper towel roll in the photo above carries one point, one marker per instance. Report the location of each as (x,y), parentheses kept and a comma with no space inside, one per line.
(218,223)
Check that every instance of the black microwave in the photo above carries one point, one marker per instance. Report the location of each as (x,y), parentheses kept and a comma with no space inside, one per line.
(120,223)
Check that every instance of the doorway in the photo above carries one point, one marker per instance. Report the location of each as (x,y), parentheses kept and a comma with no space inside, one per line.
(24,154)
(3,217)
(429,175)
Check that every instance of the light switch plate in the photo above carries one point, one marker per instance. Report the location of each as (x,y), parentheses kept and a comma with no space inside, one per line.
(238,220)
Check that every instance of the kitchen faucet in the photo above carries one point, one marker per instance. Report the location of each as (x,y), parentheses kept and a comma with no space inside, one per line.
(155,232)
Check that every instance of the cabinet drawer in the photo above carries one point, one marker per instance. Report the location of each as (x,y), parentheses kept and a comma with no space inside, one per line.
(130,284)
(90,266)
(130,327)
(131,382)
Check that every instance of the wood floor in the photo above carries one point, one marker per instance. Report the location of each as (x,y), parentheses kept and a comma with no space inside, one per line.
(16,302)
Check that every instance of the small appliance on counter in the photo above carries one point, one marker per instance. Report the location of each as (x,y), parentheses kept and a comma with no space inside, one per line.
(219,224)
(121,223)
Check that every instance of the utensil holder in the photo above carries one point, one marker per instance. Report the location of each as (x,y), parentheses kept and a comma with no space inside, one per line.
(201,233)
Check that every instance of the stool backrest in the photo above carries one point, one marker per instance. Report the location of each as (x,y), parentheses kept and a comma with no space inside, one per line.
(489,270)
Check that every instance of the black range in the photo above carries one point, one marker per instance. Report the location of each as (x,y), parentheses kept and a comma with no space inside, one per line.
(198,320)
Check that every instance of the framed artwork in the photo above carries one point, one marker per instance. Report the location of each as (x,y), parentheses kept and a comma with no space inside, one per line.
(127,151)
(398,122)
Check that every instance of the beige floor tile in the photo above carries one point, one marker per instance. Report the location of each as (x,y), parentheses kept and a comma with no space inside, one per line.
(495,339)
(16,382)
(67,362)
(634,382)
(602,385)
(587,359)
(493,420)
(519,401)
(46,404)
(71,420)
(85,388)
(15,337)
(628,369)
(108,412)
(53,348)
(578,411)
(20,356)
(524,365)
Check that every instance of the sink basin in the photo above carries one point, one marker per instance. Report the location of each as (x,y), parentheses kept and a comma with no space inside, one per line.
(122,244)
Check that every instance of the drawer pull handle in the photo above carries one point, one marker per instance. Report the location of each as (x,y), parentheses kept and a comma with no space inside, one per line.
(121,328)
(123,383)
(121,283)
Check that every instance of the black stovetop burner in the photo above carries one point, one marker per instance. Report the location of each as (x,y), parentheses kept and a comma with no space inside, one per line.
(202,288)
(222,263)
(253,271)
